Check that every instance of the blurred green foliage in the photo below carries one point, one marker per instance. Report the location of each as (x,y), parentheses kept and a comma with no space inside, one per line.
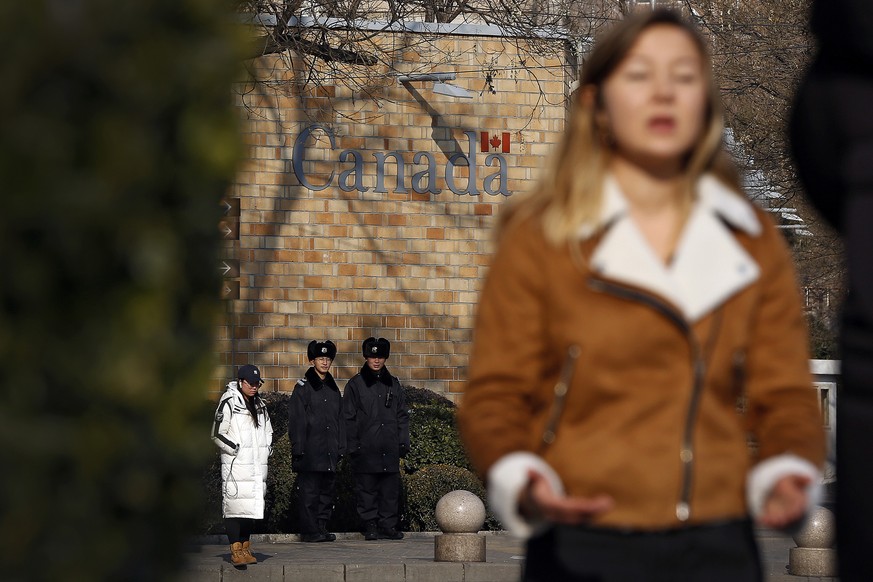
(119,139)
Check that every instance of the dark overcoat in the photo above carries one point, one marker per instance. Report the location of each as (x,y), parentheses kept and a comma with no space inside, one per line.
(315,424)
(377,422)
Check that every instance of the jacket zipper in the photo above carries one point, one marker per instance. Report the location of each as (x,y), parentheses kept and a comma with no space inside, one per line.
(686,453)
(560,390)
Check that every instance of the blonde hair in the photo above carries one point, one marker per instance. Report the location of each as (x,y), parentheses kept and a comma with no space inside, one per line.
(569,194)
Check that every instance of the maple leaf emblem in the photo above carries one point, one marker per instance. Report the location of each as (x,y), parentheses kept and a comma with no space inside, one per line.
(487,142)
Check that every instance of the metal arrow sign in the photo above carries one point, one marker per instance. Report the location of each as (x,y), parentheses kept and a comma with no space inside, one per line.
(230,290)
(229,229)
(228,268)
(230,207)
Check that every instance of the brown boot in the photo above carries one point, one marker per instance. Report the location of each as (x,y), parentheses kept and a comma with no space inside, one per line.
(237,555)
(247,550)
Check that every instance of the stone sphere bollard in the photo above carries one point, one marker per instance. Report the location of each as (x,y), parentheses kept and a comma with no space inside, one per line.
(460,512)
(460,515)
(815,555)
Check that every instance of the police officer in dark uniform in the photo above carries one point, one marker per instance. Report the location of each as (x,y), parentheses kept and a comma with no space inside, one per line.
(317,434)
(377,429)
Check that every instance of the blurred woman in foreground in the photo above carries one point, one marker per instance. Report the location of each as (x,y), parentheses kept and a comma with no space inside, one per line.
(636,299)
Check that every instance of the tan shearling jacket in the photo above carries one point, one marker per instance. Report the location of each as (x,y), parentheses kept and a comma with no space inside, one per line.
(665,356)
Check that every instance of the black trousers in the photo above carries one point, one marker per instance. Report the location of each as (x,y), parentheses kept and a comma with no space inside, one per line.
(239,529)
(718,553)
(832,134)
(378,496)
(315,493)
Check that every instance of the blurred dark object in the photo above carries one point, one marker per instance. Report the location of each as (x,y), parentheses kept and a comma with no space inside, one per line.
(119,139)
(832,138)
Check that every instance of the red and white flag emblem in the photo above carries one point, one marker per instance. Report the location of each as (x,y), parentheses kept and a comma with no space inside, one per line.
(488,143)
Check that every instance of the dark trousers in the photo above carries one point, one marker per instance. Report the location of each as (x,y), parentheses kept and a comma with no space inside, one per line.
(378,496)
(718,553)
(315,492)
(832,134)
(239,529)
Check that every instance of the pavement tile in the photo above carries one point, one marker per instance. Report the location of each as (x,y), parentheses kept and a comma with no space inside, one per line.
(315,572)
(485,572)
(375,573)
(434,572)
(201,573)
(260,572)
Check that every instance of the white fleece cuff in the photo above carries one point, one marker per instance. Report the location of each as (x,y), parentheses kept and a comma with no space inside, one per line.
(765,474)
(506,478)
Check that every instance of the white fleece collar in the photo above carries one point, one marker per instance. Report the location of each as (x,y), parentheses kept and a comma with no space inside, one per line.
(709,265)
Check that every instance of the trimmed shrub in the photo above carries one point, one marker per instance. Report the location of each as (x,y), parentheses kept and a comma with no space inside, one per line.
(280,511)
(424,397)
(211,521)
(426,487)
(277,407)
(434,439)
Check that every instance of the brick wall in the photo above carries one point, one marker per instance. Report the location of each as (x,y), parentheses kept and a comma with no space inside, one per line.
(342,264)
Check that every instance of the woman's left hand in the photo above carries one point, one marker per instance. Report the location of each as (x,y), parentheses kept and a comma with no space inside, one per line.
(786,503)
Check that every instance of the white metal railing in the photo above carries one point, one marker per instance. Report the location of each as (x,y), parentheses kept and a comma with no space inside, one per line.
(825,377)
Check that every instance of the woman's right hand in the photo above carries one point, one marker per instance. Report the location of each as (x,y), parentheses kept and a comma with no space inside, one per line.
(539,502)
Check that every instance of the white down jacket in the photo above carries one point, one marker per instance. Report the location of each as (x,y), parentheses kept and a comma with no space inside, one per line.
(244,452)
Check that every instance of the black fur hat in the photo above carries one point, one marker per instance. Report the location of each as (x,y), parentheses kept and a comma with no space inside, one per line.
(322,349)
(376,348)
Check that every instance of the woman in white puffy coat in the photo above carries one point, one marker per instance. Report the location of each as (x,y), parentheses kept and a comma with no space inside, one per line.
(243,432)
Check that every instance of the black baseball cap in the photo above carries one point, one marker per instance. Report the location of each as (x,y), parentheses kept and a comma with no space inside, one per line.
(250,374)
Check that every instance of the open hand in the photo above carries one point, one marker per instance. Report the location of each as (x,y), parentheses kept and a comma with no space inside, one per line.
(538,501)
(786,503)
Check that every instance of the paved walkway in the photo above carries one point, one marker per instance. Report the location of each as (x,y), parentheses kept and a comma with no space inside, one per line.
(351,559)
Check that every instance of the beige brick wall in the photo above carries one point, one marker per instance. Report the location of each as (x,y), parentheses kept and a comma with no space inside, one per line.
(346,265)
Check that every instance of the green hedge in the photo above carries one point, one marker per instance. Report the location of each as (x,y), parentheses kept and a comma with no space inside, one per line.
(434,439)
(435,465)
(424,397)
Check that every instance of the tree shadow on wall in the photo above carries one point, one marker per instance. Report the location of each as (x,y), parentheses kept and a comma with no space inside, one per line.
(284,197)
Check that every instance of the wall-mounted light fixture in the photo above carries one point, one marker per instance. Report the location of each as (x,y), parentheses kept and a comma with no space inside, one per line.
(439,85)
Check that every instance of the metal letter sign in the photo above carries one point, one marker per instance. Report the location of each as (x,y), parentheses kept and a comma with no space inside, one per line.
(299,154)
(352,177)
